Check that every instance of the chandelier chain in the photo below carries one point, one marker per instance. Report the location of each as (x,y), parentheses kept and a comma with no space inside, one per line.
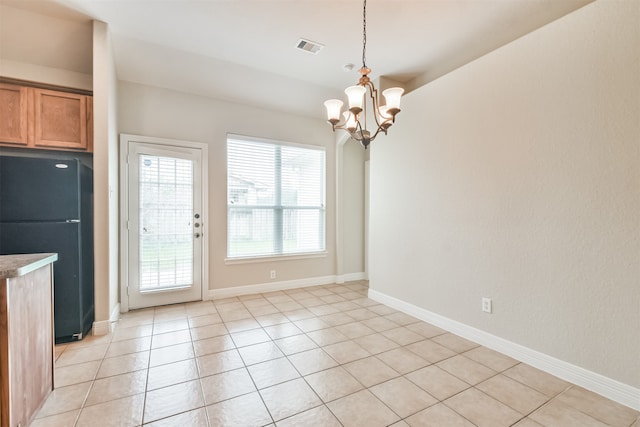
(364,34)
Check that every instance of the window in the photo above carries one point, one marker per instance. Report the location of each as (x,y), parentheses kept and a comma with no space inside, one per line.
(166,212)
(275,198)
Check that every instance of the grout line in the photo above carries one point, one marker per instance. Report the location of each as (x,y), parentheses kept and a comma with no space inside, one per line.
(292,317)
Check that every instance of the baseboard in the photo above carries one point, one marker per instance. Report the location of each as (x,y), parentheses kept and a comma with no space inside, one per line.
(604,386)
(115,314)
(269,287)
(104,327)
(351,277)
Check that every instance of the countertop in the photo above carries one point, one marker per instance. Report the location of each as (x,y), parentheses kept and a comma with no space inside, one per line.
(19,265)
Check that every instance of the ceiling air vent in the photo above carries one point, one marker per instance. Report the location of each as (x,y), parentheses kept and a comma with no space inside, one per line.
(309,46)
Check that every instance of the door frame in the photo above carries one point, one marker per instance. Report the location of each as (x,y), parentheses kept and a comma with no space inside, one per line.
(125,139)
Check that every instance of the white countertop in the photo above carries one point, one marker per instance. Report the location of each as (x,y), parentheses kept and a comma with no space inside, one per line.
(19,265)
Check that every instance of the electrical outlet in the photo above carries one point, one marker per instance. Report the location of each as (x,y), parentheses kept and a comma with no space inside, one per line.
(272,274)
(486,305)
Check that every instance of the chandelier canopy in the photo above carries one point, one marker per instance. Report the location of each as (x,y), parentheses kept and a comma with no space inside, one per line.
(354,119)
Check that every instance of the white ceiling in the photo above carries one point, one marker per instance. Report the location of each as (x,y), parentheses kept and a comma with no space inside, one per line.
(244,50)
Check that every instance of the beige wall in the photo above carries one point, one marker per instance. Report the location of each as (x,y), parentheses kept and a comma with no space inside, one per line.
(42,74)
(517,177)
(105,174)
(149,111)
(352,188)
(45,49)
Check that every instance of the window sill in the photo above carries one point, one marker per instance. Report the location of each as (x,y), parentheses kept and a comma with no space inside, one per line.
(274,258)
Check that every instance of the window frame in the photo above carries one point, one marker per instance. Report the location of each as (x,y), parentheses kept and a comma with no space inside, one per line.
(277,208)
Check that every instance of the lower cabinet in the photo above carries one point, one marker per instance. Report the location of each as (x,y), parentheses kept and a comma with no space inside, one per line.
(26,345)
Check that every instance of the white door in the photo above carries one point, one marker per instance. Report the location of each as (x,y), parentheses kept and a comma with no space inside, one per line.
(165,224)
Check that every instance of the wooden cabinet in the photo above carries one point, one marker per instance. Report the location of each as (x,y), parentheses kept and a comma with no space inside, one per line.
(13,114)
(60,119)
(46,119)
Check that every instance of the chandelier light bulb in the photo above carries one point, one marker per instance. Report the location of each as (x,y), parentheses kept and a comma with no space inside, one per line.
(386,119)
(356,98)
(392,95)
(333,110)
(350,121)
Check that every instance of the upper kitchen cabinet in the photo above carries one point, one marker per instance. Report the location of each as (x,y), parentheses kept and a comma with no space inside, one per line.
(45,119)
(13,114)
(60,119)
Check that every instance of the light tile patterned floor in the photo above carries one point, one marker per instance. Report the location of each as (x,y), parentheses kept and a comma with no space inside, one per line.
(321,356)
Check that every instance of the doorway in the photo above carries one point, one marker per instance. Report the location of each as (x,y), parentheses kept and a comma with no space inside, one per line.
(164,219)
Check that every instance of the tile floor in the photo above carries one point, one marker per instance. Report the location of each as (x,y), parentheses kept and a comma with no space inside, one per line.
(320,356)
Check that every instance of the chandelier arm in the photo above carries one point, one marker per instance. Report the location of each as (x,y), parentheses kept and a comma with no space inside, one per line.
(363,115)
(373,94)
(340,125)
(358,131)
(380,128)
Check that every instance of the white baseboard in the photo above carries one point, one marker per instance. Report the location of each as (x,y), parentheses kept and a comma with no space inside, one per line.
(607,387)
(105,327)
(351,277)
(102,327)
(115,314)
(269,287)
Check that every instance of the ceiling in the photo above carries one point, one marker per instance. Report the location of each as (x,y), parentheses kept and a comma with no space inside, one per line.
(244,50)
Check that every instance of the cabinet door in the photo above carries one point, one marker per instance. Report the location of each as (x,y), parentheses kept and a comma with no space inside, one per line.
(13,114)
(60,119)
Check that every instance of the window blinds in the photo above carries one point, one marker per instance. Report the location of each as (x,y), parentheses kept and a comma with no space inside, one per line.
(275,198)
(166,212)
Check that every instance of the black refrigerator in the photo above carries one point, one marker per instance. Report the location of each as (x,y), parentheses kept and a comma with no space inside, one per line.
(46,205)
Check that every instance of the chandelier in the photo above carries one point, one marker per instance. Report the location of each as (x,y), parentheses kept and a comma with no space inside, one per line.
(354,119)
